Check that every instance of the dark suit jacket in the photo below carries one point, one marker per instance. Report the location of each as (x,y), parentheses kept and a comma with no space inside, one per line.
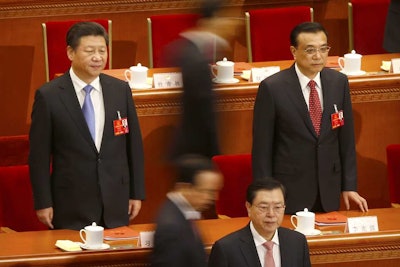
(176,242)
(391,40)
(238,249)
(197,133)
(285,145)
(84,184)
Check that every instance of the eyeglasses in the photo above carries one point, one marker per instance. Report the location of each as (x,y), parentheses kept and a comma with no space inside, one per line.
(314,50)
(278,208)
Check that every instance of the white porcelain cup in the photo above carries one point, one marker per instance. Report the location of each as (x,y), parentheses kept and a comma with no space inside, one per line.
(146,239)
(136,75)
(305,221)
(225,70)
(350,63)
(92,236)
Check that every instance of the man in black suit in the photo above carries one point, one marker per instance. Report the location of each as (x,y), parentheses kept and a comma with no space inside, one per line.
(176,240)
(193,53)
(84,172)
(391,40)
(265,203)
(312,156)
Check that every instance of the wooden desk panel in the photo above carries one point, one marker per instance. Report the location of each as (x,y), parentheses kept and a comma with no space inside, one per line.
(366,249)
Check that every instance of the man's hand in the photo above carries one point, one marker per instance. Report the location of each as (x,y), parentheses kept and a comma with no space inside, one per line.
(354,196)
(46,216)
(134,208)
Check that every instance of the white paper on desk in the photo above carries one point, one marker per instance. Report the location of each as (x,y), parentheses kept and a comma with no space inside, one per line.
(362,224)
(259,74)
(167,80)
(395,65)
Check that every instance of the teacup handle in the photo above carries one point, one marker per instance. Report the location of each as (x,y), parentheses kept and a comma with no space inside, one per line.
(291,220)
(126,75)
(80,233)
(340,60)
(213,67)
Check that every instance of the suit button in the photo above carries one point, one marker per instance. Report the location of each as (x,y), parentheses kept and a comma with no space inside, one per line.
(99,160)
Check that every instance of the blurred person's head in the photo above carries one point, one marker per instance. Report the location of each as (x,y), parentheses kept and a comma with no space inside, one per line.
(87,49)
(309,47)
(198,180)
(265,203)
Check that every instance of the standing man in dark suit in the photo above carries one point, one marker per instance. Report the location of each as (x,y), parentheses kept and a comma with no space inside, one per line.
(305,138)
(262,242)
(391,40)
(176,241)
(193,53)
(82,169)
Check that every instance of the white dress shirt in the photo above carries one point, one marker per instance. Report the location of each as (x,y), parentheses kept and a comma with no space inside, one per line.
(98,103)
(306,89)
(261,250)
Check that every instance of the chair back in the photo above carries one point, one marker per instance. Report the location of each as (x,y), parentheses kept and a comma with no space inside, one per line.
(54,41)
(163,29)
(237,172)
(268,31)
(393,172)
(367,19)
(16,200)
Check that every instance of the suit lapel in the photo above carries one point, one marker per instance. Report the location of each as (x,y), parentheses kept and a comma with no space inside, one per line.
(248,248)
(297,98)
(327,92)
(285,248)
(70,100)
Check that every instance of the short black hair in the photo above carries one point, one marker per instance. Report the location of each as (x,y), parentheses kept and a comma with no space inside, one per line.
(82,29)
(189,165)
(309,27)
(267,183)
(210,7)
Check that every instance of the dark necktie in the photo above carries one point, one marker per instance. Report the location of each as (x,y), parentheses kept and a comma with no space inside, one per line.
(315,107)
(269,256)
(88,111)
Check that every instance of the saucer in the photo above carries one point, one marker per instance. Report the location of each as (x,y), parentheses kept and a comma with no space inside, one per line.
(233,80)
(357,73)
(140,86)
(310,233)
(103,246)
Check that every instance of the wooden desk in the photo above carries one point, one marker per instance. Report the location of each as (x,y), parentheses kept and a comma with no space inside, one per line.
(367,249)
(376,107)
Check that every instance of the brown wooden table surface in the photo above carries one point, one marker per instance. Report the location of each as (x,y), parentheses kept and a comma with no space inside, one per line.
(38,248)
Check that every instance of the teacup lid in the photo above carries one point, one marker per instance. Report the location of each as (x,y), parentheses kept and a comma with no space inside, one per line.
(353,54)
(138,67)
(225,62)
(94,227)
(305,213)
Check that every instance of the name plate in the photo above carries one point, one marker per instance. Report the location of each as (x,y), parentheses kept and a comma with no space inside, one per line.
(396,65)
(167,80)
(362,224)
(259,74)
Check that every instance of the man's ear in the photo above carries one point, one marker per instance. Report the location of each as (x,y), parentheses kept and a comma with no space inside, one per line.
(293,51)
(70,53)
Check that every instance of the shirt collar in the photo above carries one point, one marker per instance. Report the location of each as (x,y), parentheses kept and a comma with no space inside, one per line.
(79,84)
(184,206)
(259,240)
(304,79)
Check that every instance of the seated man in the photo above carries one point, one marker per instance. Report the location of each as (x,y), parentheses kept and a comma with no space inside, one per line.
(262,242)
(176,240)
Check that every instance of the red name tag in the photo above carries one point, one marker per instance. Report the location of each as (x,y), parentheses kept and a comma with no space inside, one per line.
(121,126)
(337,119)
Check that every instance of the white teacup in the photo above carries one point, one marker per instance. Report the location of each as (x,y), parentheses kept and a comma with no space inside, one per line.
(350,63)
(136,75)
(92,236)
(225,70)
(305,221)
(147,239)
